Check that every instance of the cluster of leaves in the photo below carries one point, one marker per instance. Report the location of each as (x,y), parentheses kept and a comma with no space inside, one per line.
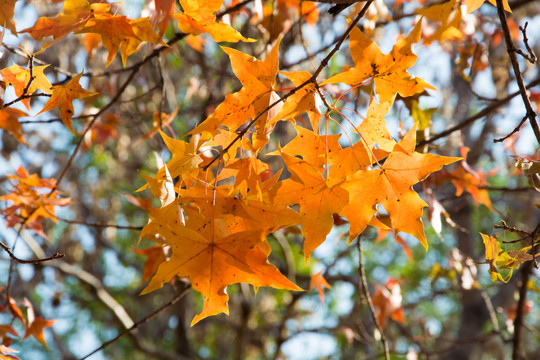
(229,186)
(33,326)
(218,213)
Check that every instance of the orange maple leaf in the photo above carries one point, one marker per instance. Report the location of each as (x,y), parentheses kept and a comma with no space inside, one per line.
(258,78)
(465,178)
(387,302)
(373,129)
(63,96)
(19,78)
(472,5)
(5,350)
(28,200)
(319,282)
(388,72)
(6,15)
(247,173)
(144,31)
(449,14)
(238,214)
(314,149)
(391,186)
(198,17)
(318,200)
(76,14)
(9,120)
(155,255)
(159,121)
(115,30)
(213,259)
(305,99)
(36,329)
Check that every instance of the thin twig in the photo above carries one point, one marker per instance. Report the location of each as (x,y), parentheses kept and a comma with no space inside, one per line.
(504,226)
(34,261)
(506,189)
(485,111)
(363,289)
(530,56)
(140,322)
(513,131)
(511,49)
(80,222)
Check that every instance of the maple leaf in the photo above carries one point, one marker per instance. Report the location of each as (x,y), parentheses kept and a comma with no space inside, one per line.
(115,30)
(465,178)
(144,32)
(6,15)
(9,120)
(349,160)
(7,329)
(213,259)
(36,329)
(19,78)
(184,163)
(373,129)
(101,131)
(162,187)
(238,214)
(314,149)
(449,14)
(391,186)
(163,13)
(305,99)
(29,203)
(159,121)
(247,173)
(76,14)
(5,350)
(257,78)
(319,282)
(387,302)
(63,96)
(388,72)
(155,255)
(317,198)
(473,5)
(501,259)
(15,310)
(198,17)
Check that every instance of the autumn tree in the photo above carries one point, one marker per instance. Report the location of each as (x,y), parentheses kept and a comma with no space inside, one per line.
(370,168)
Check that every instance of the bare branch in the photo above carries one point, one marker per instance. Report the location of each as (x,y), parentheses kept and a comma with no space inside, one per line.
(517,351)
(513,131)
(142,321)
(479,115)
(531,114)
(363,289)
(531,57)
(34,261)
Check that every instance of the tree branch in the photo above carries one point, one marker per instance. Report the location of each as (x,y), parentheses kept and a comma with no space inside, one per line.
(142,321)
(363,289)
(485,111)
(531,114)
(517,351)
(34,261)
